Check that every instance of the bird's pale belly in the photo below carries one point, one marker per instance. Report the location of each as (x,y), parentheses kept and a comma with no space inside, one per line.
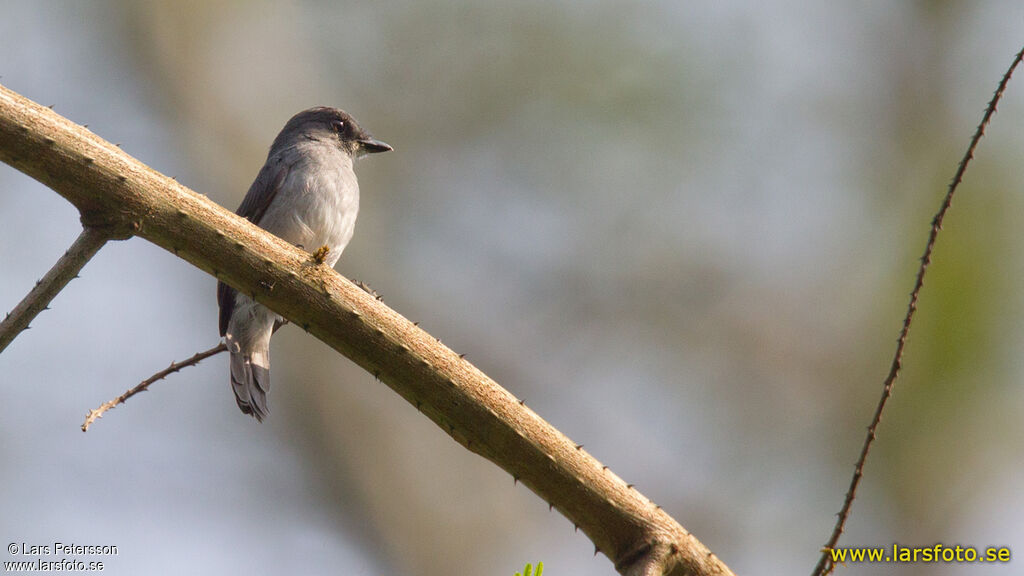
(314,220)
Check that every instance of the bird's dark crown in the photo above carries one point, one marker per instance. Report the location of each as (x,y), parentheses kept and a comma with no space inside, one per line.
(326,123)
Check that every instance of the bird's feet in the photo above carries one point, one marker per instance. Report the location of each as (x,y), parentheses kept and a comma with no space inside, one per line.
(321,254)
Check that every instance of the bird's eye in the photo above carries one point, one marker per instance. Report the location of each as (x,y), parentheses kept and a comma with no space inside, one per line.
(338,125)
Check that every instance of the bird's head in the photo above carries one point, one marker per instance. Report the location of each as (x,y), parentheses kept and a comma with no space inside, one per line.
(331,125)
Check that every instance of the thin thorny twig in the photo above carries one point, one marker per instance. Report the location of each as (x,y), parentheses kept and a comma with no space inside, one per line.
(38,299)
(196,358)
(142,386)
(825,564)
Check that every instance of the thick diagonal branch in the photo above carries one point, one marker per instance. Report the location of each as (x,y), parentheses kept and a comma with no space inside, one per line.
(112,188)
(67,267)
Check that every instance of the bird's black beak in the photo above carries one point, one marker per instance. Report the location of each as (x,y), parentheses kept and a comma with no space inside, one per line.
(371,146)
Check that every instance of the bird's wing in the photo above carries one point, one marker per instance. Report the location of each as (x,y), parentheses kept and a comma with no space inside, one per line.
(264,189)
(226,301)
(262,192)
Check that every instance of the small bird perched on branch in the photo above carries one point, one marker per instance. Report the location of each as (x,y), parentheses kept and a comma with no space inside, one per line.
(307,194)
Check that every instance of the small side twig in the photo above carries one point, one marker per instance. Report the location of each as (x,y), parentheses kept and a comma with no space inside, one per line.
(142,386)
(825,564)
(38,299)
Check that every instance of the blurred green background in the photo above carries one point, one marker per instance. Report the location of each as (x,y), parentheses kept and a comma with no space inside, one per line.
(683,232)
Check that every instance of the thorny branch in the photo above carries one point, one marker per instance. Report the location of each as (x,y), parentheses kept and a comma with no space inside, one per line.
(825,564)
(112,189)
(38,299)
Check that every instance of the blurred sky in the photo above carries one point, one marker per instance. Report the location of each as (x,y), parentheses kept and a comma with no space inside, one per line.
(683,232)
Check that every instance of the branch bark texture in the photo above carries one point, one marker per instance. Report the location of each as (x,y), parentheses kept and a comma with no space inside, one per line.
(124,197)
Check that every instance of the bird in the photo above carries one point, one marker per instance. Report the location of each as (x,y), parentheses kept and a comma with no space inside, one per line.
(306,194)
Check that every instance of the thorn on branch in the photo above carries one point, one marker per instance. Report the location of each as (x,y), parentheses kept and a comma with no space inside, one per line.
(366,288)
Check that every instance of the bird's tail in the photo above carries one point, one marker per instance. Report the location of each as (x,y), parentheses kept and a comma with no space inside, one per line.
(250,378)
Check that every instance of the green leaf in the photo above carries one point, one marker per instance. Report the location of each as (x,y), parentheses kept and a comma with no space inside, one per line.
(528,571)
